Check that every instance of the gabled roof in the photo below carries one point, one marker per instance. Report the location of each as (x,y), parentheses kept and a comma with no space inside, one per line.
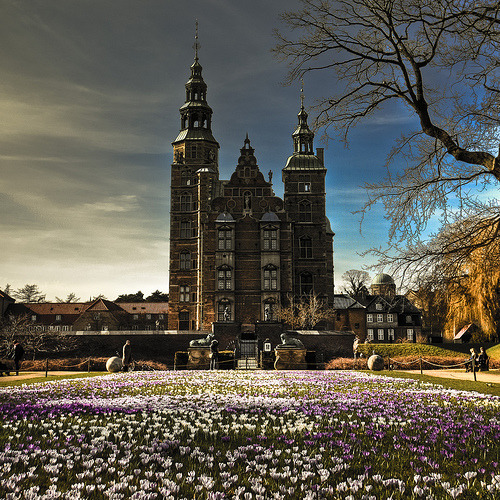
(5,296)
(463,331)
(104,305)
(346,302)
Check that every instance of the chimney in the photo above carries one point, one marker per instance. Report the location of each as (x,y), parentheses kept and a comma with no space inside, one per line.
(320,153)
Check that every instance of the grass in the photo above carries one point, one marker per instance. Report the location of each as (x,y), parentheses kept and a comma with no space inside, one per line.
(408,349)
(458,385)
(43,378)
(494,352)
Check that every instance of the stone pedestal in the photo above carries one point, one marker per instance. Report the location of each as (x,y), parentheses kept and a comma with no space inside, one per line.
(199,358)
(290,358)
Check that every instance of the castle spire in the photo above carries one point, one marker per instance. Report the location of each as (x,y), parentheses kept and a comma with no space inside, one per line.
(196,114)
(303,135)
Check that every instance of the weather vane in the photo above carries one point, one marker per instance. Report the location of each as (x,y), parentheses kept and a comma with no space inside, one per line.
(302,92)
(196,45)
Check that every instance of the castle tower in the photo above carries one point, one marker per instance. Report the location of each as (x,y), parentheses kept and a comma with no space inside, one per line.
(305,204)
(194,174)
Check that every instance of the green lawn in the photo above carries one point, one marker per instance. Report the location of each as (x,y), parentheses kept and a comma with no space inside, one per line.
(459,385)
(494,352)
(43,378)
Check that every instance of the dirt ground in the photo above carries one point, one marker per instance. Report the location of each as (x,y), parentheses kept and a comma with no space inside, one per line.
(492,376)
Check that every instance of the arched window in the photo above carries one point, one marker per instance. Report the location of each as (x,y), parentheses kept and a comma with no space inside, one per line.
(306,283)
(224,278)
(305,211)
(224,312)
(305,247)
(270,278)
(270,310)
(185,260)
(225,240)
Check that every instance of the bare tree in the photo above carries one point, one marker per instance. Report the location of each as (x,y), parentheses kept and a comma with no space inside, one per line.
(12,329)
(70,298)
(29,293)
(356,282)
(440,60)
(305,313)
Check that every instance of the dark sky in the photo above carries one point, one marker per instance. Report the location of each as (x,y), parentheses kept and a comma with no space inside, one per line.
(89,99)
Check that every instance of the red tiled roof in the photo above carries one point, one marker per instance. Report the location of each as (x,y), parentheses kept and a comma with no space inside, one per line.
(145,307)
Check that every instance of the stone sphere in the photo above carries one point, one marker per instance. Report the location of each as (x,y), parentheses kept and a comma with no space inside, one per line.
(376,363)
(114,364)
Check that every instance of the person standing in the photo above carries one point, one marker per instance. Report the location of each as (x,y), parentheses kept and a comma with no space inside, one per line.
(18,356)
(214,354)
(126,356)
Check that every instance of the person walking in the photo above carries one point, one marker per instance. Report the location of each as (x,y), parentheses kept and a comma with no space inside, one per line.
(126,356)
(18,356)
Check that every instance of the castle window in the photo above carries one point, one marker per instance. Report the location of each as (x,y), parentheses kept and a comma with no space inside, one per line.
(369,334)
(390,334)
(269,311)
(390,318)
(380,318)
(224,278)
(304,184)
(186,203)
(191,151)
(185,260)
(58,317)
(380,333)
(305,211)
(185,178)
(224,310)
(184,291)
(33,317)
(187,230)
(369,318)
(305,248)
(225,238)
(409,334)
(270,237)
(306,283)
(270,278)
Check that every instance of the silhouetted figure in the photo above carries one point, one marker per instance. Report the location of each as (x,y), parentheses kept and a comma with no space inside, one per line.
(214,354)
(127,355)
(18,356)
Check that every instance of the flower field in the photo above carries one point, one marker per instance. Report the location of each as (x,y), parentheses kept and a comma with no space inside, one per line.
(240,435)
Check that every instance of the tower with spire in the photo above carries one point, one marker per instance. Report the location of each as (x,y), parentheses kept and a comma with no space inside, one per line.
(238,251)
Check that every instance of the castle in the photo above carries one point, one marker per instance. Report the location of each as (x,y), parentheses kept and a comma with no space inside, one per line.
(237,251)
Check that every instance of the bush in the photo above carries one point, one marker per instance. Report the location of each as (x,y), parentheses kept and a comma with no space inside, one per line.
(347,364)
